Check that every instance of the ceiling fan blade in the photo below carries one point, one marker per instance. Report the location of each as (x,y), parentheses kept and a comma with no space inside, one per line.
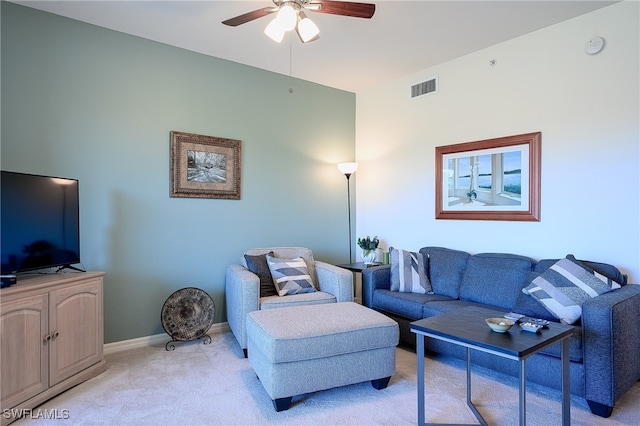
(249,16)
(344,8)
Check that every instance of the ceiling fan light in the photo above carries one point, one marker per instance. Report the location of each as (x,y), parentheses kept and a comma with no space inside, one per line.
(307,29)
(287,17)
(275,31)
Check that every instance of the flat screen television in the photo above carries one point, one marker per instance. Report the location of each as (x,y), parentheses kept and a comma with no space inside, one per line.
(40,222)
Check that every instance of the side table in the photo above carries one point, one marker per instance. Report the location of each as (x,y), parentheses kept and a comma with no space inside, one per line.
(357,268)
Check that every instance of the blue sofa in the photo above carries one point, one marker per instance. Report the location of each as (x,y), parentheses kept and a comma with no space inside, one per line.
(604,350)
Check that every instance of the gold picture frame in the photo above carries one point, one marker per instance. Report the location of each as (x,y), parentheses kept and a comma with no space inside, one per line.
(205,166)
(493,179)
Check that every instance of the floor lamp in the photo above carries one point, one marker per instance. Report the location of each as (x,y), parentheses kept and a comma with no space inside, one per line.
(348,169)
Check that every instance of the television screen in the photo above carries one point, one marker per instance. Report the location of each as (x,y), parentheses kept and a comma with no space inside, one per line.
(40,222)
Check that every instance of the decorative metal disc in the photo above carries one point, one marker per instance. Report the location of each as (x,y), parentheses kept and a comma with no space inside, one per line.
(188,314)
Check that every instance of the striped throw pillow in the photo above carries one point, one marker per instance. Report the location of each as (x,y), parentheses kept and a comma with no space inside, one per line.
(409,272)
(564,287)
(290,276)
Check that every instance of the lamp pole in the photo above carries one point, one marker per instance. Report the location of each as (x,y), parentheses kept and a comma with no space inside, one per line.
(348,175)
(348,169)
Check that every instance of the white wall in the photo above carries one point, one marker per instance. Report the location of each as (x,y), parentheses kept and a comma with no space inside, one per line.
(587,108)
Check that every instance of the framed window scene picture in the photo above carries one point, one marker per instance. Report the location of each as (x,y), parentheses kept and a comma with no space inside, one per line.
(493,179)
(205,166)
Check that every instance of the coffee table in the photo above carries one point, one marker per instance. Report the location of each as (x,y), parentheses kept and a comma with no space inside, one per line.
(466,327)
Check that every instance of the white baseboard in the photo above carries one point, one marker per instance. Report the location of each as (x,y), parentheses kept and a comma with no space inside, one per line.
(156,339)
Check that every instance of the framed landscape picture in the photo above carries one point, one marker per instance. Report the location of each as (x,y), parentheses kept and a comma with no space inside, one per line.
(494,179)
(204,166)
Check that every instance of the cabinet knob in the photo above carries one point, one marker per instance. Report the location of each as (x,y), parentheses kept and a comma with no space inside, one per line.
(46,339)
(56,334)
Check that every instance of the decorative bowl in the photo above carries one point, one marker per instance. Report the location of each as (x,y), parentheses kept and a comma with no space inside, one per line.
(499,325)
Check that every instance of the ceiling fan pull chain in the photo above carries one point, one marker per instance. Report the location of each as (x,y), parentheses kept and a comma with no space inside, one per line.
(290,64)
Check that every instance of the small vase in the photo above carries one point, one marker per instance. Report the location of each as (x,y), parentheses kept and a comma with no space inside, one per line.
(368,256)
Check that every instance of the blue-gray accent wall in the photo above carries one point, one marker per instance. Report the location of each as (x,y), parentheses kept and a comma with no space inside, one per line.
(89,103)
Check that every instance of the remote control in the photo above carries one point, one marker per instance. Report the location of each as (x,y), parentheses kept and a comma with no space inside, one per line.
(513,316)
(538,321)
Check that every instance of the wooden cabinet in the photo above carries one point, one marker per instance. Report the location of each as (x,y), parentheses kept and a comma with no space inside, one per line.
(51,337)
(24,355)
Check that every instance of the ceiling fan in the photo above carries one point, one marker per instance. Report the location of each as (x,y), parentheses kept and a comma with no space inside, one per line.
(291,14)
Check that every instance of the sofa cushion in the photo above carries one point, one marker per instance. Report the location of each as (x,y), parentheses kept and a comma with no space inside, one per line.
(258,265)
(290,276)
(313,298)
(446,268)
(437,307)
(495,279)
(409,272)
(564,287)
(407,305)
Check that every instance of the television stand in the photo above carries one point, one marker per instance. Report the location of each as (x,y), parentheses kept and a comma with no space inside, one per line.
(70,267)
(52,338)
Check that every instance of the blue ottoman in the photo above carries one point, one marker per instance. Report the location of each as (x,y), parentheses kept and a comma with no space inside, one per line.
(304,349)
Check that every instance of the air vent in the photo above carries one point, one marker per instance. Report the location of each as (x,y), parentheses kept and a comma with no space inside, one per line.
(426,87)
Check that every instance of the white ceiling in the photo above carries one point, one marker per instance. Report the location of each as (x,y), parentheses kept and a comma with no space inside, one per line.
(352,54)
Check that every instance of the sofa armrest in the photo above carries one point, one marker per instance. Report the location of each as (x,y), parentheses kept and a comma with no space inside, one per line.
(373,278)
(242,295)
(335,280)
(611,342)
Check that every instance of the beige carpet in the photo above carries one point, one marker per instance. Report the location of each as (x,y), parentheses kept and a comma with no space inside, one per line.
(214,385)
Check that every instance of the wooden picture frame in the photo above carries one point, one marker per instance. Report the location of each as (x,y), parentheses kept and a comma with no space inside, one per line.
(493,179)
(205,166)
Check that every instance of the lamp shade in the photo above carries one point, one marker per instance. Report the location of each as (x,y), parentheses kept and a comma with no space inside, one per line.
(347,168)
(287,17)
(275,31)
(307,29)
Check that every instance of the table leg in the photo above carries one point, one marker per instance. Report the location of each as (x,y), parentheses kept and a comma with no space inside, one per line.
(420,355)
(470,404)
(468,376)
(566,383)
(523,392)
